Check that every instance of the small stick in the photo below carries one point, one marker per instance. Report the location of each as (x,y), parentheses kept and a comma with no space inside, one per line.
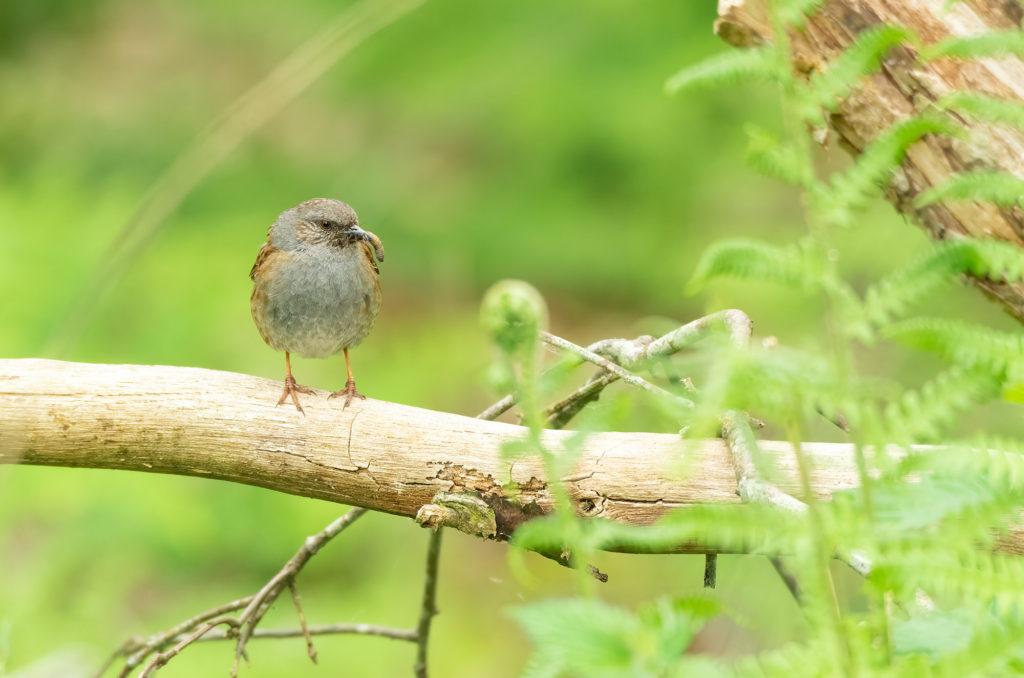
(310,650)
(429,607)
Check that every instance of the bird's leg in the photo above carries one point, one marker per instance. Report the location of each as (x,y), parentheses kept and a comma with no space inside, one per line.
(349,391)
(291,389)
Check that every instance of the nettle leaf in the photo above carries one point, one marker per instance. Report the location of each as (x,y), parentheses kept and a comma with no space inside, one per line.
(780,161)
(812,659)
(851,190)
(588,637)
(577,636)
(937,634)
(728,68)
(984,107)
(993,259)
(995,44)
(860,59)
(1000,188)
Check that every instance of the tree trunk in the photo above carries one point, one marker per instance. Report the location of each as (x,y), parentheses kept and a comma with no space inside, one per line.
(905,87)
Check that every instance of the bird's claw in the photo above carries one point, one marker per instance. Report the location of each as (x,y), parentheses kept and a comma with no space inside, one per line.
(291,390)
(349,392)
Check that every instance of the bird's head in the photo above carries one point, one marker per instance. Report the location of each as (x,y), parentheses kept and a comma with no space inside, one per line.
(321,222)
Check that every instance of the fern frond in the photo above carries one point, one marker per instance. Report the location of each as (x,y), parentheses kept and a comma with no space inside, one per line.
(973,574)
(995,44)
(984,107)
(998,459)
(776,160)
(993,259)
(995,187)
(754,260)
(793,12)
(858,60)
(923,414)
(728,68)
(851,189)
(962,343)
(755,529)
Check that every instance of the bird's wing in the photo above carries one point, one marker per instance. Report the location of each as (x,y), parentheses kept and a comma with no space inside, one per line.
(266,252)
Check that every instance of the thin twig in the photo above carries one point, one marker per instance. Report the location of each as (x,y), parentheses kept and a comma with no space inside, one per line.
(408,635)
(622,373)
(429,607)
(243,626)
(162,658)
(499,408)
(310,650)
(559,414)
(710,570)
(137,649)
(633,353)
(261,602)
(787,577)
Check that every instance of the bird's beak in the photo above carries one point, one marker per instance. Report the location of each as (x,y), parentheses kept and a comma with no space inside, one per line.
(378,248)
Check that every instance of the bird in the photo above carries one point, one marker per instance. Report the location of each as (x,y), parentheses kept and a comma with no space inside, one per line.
(316,288)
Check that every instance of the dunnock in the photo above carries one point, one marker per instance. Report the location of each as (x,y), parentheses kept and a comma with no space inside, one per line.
(317,287)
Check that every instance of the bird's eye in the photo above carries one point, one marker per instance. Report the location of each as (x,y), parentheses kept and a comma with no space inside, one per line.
(325,224)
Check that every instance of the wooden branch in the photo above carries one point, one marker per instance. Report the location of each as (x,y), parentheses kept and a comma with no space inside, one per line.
(378,455)
(905,87)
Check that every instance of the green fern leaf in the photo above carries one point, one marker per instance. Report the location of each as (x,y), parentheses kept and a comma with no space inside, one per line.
(756,529)
(858,60)
(768,156)
(753,260)
(851,189)
(924,414)
(728,68)
(793,12)
(993,259)
(996,44)
(965,344)
(973,574)
(984,107)
(995,187)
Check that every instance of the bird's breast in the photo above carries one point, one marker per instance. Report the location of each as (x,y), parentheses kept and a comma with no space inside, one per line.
(320,301)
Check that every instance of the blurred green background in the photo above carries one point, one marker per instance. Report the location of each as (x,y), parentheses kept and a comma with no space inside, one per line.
(479,141)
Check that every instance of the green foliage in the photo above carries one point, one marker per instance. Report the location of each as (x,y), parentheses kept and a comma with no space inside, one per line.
(753,260)
(587,637)
(984,107)
(1008,43)
(850,190)
(859,60)
(514,312)
(925,513)
(767,155)
(995,187)
(728,68)
(993,259)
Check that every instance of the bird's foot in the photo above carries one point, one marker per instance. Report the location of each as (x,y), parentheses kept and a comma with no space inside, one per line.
(349,392)
(291,390)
